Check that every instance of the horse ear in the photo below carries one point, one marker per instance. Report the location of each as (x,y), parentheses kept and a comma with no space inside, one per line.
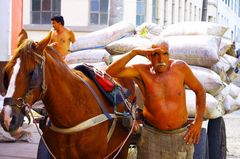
(34,45)
(21,37)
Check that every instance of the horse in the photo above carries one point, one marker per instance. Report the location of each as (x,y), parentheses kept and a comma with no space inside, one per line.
(37,72)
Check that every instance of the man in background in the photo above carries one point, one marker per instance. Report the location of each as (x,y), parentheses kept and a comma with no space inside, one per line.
(60,35)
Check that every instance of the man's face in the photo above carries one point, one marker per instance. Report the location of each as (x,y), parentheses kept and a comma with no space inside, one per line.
(160,58)
(55,25)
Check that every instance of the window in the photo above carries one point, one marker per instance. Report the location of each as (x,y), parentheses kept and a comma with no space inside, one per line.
(43,10)
(165,13)
(179,10)
(173,11)
(141,12)
(190,10)
(155,11)
(195,13)
(99,12)
(239,8)
(185,10)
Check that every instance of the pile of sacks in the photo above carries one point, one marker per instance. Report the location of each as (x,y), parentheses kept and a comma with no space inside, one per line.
(90,48)
(200,44)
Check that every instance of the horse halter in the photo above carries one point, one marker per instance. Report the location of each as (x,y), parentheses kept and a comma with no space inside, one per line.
(37,80)
(20,104)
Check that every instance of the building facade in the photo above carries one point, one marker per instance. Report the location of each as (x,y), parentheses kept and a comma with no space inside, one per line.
(84,16)
(227,13)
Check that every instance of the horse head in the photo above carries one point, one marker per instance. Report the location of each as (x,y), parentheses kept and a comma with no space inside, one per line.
(23,79)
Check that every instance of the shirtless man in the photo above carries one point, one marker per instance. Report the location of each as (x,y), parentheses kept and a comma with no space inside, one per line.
(60,35)
(164,133)
(60,38)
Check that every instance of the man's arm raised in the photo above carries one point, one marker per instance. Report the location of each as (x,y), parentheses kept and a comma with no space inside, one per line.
(118,68)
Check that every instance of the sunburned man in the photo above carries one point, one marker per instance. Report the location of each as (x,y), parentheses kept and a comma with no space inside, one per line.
(166,132)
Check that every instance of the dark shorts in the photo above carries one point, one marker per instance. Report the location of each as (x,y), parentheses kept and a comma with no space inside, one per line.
(155,144)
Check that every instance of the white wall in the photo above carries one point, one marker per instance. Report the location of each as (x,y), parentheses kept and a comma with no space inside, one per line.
(5,32)
(75,12)
(26,11)
(129,11)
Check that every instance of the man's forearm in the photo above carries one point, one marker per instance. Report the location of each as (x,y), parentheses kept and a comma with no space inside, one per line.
(118,65)
(200,107)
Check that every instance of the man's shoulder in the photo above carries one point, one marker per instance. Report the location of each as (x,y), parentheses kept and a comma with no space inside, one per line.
(178,62)
(179,65)
(68,29)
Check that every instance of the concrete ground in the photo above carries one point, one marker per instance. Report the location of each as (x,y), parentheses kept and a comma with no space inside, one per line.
(26,150)
(232,122)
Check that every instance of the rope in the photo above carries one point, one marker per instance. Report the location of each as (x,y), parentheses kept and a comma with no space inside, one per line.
(122,144)
(35,123)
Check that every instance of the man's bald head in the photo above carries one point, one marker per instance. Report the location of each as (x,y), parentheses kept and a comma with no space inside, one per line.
(160,43)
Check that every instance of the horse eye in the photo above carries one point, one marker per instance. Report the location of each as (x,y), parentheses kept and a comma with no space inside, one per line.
(154,54)
(5,80)
(31,73)
(166,53)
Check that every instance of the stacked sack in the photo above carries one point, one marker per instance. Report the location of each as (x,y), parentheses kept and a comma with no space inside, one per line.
(145,33)
(89,48)
(202,46)
(199,44)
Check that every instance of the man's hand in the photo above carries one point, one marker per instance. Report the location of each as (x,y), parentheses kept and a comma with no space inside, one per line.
(144,51)
(137,127)
(193,134)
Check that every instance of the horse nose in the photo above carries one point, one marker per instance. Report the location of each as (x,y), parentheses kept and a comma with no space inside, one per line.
(7,117)
(7,122)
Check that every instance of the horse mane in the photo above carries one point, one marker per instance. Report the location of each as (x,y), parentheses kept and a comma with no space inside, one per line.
(25,51)
(52,54)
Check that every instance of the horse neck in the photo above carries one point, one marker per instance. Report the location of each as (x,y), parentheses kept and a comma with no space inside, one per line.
(67,97)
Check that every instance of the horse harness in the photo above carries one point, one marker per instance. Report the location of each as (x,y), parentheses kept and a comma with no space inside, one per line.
(37,82)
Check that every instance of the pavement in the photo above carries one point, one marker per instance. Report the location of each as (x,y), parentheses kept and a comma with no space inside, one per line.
(232,123)
(28,150)
(21,149)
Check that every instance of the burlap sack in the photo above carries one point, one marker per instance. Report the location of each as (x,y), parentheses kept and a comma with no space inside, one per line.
(125,45)
(194,28)
(199,50)
(214,109)
(210,80)
(86,56)
(103,37)
(148,30)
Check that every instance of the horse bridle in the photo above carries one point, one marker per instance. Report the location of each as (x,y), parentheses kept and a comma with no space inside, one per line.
(35,82)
